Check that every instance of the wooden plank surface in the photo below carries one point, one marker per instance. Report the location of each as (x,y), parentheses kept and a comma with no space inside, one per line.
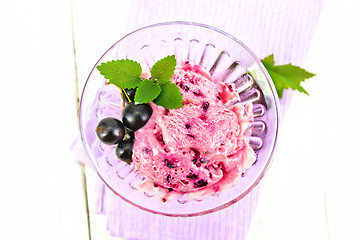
(334,55)
(315,171)
(42,195)
(96,28)
(310,192)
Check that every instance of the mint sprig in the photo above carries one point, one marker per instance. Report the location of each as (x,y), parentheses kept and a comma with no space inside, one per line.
(286,76)
(158,88)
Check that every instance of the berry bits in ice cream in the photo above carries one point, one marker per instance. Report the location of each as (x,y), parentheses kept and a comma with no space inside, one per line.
(199,148)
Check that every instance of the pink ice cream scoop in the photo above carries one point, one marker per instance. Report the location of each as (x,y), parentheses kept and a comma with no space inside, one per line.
(199,146)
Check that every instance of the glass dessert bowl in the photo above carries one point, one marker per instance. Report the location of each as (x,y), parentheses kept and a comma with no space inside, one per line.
(227,62)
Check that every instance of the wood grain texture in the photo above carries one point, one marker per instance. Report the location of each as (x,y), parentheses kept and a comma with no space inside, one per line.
(42,187)
(334,56)
(96,28)
(318,152)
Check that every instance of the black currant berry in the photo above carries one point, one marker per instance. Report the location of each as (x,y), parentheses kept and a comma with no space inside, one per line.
(124,150)
(136,116)
(110,131)
(130,93)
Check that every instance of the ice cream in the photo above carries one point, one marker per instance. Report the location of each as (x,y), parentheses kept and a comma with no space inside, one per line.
(198,148)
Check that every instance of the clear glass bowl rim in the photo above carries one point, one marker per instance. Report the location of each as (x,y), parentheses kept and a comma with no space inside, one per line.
(277,107)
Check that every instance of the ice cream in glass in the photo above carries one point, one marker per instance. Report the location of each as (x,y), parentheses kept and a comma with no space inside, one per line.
(204,155)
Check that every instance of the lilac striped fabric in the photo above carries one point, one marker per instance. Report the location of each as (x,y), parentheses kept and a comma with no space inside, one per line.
(282,27)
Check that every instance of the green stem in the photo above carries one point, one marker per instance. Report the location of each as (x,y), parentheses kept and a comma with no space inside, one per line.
(121,90)
(127,96)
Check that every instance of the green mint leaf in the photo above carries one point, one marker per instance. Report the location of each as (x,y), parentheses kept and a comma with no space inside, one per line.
(164,69)
(147,91)
(170,96)
(286,76)
(126,73)
(123,73)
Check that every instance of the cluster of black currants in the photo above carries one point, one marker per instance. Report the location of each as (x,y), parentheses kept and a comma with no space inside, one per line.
(112,131)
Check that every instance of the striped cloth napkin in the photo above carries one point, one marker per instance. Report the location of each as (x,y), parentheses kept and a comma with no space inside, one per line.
(282,27)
